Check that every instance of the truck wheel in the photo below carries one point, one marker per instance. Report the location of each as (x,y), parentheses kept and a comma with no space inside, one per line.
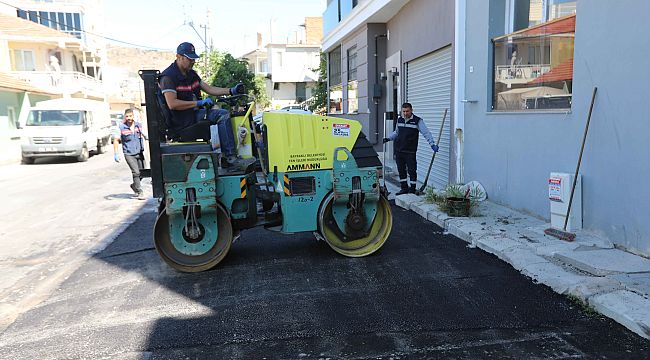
(100,147)
(84,154)
(27,160)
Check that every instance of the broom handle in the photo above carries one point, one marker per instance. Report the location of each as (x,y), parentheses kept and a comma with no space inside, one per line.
(434,153)
(582,148)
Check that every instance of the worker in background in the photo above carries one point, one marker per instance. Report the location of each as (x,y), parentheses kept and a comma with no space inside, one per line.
(181,88)
(131,137)
(406,144)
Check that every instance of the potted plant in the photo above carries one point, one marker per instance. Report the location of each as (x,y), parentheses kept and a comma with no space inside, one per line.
(455,199)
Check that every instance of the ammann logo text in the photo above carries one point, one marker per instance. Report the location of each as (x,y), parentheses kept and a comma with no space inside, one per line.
(312,166)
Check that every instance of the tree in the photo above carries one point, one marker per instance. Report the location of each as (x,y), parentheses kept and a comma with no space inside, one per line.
(319,105)
(226,71)
(260,86)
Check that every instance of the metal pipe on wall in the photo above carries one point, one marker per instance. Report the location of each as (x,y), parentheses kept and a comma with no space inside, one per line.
(377,93)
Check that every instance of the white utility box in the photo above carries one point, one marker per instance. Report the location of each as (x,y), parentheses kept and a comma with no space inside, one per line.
(559,192)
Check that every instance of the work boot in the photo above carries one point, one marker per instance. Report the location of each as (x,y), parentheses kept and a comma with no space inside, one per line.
(224,163)
(412,189)
(404,190)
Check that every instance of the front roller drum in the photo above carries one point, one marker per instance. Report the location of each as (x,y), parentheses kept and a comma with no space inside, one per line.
(193,263)
(377,235)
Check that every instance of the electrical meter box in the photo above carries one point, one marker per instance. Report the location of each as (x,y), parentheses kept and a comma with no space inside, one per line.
(559,192)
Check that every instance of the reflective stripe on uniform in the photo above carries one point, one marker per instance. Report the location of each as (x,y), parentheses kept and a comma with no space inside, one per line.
(190,87)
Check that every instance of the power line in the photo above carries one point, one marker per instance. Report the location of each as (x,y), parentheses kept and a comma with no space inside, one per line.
(81,30)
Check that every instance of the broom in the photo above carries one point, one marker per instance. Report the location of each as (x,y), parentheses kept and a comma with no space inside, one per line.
(563,234)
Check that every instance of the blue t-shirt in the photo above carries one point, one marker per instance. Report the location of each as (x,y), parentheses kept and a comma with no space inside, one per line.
(131,139)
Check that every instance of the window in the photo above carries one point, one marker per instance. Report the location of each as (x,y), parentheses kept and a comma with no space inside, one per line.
(69,26)
(264,66)
(276,86)
(68,22)
(353,85)
(76,25)
(24,60)
(301,92)
(533,65)
(53,20)
(335,85)
(44,18)
(61,21)
(541,11)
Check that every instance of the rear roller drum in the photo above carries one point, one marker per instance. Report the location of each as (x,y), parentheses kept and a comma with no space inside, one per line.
(366,245)
(169,250)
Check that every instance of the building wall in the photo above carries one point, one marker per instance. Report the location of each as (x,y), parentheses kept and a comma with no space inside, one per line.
(42,54)
(360,40)
(419,28)
(512,154)
(285,95)
(5,60)
(8,99)
(293,63)
(313,30)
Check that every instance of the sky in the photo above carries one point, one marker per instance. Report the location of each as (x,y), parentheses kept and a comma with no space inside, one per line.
(163,24)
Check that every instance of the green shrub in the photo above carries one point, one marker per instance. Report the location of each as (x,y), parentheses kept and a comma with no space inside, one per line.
(439,198)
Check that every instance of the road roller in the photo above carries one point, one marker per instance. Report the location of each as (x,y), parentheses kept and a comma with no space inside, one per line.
(295,173)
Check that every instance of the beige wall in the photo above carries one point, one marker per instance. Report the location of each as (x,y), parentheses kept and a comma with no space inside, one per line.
(5,58)
(42,54)
(313,30)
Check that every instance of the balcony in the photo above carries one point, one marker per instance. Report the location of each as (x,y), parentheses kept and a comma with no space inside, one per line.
(520,74)
(63,82)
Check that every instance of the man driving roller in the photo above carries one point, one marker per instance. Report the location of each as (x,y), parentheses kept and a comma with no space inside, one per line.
(181,88)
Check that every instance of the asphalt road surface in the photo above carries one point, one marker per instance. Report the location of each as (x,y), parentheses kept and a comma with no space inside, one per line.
(55,215)
(425,294)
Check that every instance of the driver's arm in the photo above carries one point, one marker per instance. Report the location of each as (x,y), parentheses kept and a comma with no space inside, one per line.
(213,90)
(168,89)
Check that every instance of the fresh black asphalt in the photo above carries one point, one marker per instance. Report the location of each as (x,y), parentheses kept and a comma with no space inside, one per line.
(425,294)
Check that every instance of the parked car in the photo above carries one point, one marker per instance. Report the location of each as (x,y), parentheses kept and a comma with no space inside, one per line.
(296,108)
(549,102)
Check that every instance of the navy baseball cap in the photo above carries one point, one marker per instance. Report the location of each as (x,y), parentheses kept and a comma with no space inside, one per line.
(186,49)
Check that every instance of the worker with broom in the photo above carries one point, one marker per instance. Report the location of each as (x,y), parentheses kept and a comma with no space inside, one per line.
(406,137)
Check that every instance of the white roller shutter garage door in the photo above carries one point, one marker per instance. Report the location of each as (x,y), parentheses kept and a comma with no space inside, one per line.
(428,89)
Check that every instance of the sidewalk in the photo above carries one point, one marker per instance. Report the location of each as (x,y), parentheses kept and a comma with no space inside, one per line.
(613,282)
(9,151)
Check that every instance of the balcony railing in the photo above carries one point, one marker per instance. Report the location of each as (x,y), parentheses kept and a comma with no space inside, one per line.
(520,74)
(62,82)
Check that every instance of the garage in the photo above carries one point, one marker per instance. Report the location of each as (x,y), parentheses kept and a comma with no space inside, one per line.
(428,89)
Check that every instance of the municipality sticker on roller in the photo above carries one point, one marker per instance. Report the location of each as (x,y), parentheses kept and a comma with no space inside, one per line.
(341,130)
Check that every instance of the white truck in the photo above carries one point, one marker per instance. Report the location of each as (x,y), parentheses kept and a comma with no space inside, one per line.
(66,127)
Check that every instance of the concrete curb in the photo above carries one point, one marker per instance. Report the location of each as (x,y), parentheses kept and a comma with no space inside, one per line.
(567,268)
